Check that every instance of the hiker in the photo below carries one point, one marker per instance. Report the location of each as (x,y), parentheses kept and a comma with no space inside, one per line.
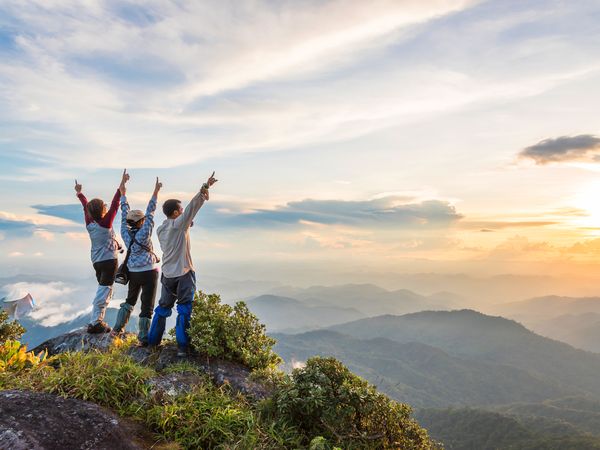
(178,278)
(105,248)
(136,231)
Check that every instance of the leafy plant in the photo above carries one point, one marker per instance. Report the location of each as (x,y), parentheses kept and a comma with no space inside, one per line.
(325,399)
(233,333)
(14,356)
(9,329)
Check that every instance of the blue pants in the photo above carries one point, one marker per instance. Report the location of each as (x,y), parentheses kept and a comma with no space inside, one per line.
(181,290)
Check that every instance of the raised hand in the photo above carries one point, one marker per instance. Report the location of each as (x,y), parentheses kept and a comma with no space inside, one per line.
(77,187)
(157,187)
(124,179)
(212,180)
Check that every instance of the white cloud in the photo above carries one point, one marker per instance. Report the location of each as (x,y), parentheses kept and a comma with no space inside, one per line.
(212,48)
(55,302)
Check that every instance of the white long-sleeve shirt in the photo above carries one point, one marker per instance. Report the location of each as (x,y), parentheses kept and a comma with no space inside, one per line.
(174,239)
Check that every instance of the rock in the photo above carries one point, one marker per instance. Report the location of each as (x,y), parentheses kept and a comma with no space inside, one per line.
(171,385)
(40,421)
(221,371)
(77,340)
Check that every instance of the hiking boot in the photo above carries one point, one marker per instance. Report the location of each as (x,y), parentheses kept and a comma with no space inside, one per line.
(122,318)
(183,352)
(143,328)
(99,327)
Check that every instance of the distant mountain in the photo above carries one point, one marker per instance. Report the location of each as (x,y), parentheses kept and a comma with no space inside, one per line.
(470,429)
(547,307)
(419,374)
(585,412)
(285,313)
(473,335)
(574,320)
(368,299)
(579,330)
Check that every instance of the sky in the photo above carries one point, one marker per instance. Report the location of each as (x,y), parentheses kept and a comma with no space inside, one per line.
(351,139)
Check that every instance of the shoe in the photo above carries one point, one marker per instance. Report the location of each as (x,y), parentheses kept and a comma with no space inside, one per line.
(183,352)
(99,327)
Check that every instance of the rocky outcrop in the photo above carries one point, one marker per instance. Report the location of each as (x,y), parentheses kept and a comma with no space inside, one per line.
(74,341)
(236,375)
(33,420)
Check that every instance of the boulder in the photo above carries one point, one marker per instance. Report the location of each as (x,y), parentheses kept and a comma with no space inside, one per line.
(41,421)
(76,340)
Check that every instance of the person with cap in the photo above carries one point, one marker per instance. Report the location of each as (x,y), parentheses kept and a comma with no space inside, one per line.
(105,248)
(178,278)
(136,231)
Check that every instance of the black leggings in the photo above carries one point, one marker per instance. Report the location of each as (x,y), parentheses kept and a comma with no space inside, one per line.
(106,271)
(147,282)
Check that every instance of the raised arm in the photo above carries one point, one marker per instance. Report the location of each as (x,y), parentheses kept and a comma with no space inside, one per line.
(195,204)
(145,232)
(84,202)
(109,218)
(124,211)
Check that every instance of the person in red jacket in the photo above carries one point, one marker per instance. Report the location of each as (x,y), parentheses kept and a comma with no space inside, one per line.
(105,248)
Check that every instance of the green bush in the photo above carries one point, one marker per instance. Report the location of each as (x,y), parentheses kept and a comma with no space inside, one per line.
(233,333)
(324,399)
(9,330)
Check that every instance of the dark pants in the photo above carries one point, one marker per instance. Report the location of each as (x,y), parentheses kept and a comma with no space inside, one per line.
(146,282)
(181,290)
(106,271)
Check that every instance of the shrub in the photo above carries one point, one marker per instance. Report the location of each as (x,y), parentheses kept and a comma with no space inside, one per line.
(15,357)
(9,330)
(233,333)
(213,417)
(325,399)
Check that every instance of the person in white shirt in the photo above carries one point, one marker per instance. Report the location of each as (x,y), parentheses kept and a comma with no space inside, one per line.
(178,278)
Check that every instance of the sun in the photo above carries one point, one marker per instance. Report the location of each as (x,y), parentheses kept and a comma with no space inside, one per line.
(588,200)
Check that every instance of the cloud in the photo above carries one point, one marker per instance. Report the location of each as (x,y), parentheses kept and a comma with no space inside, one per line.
(487,226)
(214,78)
(384,212)
(56,302)
(584,147)
(71,212)
(16,228)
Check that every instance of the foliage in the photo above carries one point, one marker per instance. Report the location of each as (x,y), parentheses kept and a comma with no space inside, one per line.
(9,330)
(211,417)
(110,379)
(15,357)
(234,333)
(271,377)
(325,399)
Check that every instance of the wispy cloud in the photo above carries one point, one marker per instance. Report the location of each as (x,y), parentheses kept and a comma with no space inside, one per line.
(210,78)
